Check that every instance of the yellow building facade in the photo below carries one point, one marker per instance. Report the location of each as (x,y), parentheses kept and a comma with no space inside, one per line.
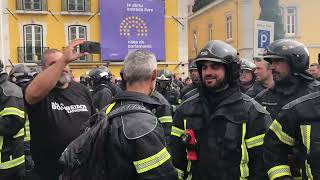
(43,24)
(233,21)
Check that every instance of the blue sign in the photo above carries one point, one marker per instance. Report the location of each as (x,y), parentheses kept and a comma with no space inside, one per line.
(132,24)
(263,38)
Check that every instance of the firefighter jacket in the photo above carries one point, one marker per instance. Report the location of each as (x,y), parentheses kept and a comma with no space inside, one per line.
(136,147)
(255,89)
(228,137)
(298,125)
(274,99)
(188,91)
(163,113)
(12,119)
(173,97)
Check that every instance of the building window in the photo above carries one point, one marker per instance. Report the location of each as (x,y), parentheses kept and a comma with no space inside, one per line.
(291,21)
(33,42)
(34,5)
(228,27)
(195,41)
(76,32)
(76,5)
(210,32)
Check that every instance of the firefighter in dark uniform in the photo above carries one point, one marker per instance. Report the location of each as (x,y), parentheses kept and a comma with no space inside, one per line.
(296,126)
(191,89)
(12,119)
(218,133)
(165,87)
(289,61)
(21,75)
(162,111)
(136,145)
(247,76)
(103,91)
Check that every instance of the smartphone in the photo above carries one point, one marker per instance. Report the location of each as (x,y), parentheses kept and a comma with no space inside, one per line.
(90,47)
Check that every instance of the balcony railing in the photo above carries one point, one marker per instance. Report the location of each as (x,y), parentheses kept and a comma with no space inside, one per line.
(30,54)
(22,5)
(66,6)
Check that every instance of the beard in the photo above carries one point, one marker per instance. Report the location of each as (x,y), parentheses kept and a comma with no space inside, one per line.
(64,79)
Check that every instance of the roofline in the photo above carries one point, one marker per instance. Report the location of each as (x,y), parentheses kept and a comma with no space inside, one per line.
(204,9)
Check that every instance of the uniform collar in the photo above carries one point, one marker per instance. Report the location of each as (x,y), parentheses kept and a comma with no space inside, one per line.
(136,96)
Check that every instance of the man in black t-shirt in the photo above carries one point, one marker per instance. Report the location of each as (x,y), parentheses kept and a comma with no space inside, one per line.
(57,108)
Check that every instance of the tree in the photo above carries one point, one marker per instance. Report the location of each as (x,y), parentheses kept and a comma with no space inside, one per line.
(270,11)
(198,4)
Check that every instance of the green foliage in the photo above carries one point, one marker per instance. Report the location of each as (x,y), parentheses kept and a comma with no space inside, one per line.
(270,11)
(198,4)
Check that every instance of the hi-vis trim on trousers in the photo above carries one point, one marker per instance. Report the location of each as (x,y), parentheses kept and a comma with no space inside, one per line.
(306,139)
(283,137)
(152,162)
(279,171)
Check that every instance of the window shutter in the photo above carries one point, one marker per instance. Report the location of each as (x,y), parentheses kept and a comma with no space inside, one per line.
(19,5)
(44,5)
(88,5)
(64,5)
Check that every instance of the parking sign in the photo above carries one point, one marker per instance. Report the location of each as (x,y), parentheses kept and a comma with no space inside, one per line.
(263,36)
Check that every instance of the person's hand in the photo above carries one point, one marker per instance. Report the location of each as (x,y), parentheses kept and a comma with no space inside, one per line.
(70,52)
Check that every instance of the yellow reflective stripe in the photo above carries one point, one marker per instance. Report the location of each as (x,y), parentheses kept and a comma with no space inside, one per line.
(110,106)
(20,133)
(244,169)
(1,144)
(283,137)
(255,141)
(279,171)
(152,162)
(27,136)
(189,170)
(12,111)
(189,177)
(185,124)
(306,138)
(179,101)
(12,163)
(166,119)
(176,131)
(180,173)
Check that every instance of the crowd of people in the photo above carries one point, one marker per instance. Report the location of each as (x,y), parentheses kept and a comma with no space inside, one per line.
(232,118)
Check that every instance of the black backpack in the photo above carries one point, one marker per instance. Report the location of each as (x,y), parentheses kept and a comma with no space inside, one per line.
(85,158)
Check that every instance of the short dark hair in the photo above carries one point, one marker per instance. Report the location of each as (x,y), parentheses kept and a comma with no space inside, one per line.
(315,64)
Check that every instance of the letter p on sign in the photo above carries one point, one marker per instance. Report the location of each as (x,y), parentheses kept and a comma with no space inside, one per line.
(263,38)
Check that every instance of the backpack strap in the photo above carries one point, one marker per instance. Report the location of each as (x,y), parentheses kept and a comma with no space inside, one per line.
(137,121)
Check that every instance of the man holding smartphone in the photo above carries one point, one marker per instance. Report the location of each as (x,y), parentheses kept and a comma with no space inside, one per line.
(57,109)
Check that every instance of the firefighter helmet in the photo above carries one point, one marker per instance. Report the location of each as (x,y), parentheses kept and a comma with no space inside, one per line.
(221,52)
(20,74)
(294,52)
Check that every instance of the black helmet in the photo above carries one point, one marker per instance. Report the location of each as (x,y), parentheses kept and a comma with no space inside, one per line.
(164,75)
(221,52)
(100,75)
(247,65)
(290,50)
(20,74)
(192,65)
